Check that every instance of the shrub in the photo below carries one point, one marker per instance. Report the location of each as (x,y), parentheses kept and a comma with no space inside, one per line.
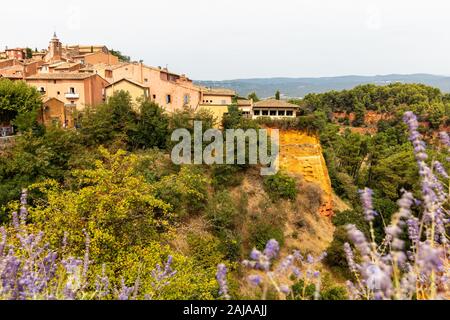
(152,127)
(313,197)
(335,293)
(186,192)
(336,258)
(281,186)
(262,232)
(343,218)
(116,207)
(225,176)
(221,211)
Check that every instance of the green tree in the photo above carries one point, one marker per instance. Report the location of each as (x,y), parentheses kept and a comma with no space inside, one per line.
(34,158)
(233,118)
(152,127)
(29,53)
(19,103)
(114,120)
(277,95)
(118,54)
(116,207)
(253,96)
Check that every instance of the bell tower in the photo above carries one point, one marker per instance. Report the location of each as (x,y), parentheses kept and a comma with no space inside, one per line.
(55,48)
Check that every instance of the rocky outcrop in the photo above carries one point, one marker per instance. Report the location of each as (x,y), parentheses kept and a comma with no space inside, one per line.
(301,154)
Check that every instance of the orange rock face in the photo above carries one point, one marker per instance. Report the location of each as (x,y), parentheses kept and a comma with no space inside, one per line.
(302,154)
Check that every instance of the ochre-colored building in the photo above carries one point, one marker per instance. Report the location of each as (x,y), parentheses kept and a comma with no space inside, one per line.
(135,89)
(217,101)
(170,90)
(76,90)
(16,53)
(98,57)
(55,112)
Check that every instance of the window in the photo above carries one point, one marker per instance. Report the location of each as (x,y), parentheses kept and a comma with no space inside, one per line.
(71,90)
(42,90)
(289,113)
(168,99)
(281,113)
(58,93)
(186,99)
(154,97)
(145,80)
(265,113)
(273,112)
(256,113)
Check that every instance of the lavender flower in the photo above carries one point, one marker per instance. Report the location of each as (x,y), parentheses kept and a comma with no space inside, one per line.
(366,199)
(445,139)
(440,169)
(255,280)
(350,258)
(221,277)
(272,249)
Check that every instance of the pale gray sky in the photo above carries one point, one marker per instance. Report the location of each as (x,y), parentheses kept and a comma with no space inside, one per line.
(228,39)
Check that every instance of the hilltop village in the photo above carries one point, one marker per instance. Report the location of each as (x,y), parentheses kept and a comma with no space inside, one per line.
(72,77)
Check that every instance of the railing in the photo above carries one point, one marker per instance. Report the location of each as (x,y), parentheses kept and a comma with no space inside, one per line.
(71,95)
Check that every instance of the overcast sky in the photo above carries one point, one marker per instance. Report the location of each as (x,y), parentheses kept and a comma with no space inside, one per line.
(229,39)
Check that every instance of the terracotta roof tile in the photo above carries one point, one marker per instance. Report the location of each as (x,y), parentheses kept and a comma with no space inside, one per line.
(60,76)
(219,92)
(273,103)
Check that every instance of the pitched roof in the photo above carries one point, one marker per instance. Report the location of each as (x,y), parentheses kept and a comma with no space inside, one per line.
(11,76)
(47,99)
(128,80)
(67,65)
(273,103)
(60,76)
(219,92)
(244,102)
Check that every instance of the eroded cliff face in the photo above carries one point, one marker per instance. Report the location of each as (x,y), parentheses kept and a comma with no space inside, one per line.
(301,154)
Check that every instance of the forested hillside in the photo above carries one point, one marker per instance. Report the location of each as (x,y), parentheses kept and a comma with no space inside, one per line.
(101,212)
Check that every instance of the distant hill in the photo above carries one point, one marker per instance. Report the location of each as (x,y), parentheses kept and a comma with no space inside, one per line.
(299,87)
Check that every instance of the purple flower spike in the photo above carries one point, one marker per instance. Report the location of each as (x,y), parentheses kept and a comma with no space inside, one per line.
(255,280)
(272,249)
(221,277)
(366,200)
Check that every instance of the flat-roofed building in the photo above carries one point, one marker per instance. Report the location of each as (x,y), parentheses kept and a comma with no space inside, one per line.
(16,53)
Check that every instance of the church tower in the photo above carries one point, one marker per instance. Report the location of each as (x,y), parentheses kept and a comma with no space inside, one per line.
(55,49)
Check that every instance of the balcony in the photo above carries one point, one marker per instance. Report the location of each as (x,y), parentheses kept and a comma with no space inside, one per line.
(72,95)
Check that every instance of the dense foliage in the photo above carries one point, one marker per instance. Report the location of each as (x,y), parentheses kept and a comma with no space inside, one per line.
(148,229)
(19,103)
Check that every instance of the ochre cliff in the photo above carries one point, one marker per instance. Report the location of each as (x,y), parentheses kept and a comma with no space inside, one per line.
(301,153)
